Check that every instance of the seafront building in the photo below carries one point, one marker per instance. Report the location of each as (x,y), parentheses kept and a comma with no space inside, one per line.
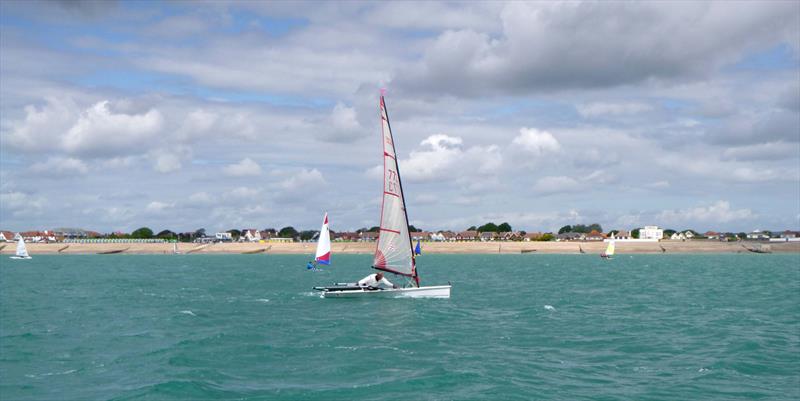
(651,233)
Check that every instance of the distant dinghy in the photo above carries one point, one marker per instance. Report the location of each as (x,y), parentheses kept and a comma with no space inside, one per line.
(323,254)
(22,251)
(609,253)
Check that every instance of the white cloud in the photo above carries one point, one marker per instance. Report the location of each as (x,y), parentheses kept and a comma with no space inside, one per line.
(536,142)
(42,127)
(166,162)
(158,207)
(446,157)
(599,109)
(243,193)
(200,199)
(762,151)
(101,132)
(21,204)
(307,180)
(60,167)
(718,212)
(343,125)
(245,168)
(556,184)
(557,45)
(197,123)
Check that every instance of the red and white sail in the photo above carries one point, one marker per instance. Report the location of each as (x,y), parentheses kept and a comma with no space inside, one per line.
(394,252)
(323,255)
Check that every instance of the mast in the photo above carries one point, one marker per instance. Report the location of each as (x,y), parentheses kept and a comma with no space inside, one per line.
(387,256)
(403,196)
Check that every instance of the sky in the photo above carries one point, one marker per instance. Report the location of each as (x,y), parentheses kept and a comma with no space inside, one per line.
(219,115)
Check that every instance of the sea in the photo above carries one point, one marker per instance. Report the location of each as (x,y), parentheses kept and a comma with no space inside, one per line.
(517,327)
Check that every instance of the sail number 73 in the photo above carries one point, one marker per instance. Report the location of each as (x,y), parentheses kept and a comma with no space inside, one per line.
(392,185)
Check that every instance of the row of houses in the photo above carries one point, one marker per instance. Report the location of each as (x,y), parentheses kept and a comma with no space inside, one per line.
(648,233)
(32,236)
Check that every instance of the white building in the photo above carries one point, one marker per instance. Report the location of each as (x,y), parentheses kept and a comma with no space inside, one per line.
(250,235)
(651,233)
(223,236)
(757,234)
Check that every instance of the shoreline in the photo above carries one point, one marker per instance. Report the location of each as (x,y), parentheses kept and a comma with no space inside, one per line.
(492,247)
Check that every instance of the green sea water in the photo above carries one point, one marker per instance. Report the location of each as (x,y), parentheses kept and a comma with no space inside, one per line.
(517,327)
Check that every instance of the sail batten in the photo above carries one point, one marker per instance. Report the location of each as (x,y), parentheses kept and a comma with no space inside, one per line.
(394,252)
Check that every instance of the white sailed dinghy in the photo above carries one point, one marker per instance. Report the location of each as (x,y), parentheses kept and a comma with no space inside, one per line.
(609,253)
(323,255)
(22,252)
(394,252)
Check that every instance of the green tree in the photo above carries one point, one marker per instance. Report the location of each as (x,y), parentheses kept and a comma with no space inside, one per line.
(565,229)
(235,234)
(668,232)
(472,228)
(595,227)
(613,232)
(288,232)
(580,228)
(741,235)
(142,233)
(414,229)
(166,234)
(200,233)
(374,229)
(307,235)
(546,237)
(635,233)
(488,228)
(504,228)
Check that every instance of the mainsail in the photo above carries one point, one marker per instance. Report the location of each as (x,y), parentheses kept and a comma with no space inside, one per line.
(21,250)
(324,244)
(610,249)
(394,252)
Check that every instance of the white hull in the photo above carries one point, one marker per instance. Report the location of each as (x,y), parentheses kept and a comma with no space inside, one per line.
(20,257)
(437,291)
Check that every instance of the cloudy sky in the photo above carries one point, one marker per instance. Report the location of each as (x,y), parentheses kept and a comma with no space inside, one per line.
(264,114)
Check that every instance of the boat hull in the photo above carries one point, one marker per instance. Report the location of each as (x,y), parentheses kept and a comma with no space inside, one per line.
(436,291)
(19,257)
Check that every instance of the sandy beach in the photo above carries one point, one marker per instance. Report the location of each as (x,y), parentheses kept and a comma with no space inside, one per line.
(698,246)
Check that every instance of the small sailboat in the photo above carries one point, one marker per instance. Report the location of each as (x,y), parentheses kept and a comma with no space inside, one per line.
(22,252)
(394,252)
(175,248)
(609,253)
(323,255)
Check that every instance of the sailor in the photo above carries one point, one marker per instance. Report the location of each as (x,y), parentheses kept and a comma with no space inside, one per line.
(375,281)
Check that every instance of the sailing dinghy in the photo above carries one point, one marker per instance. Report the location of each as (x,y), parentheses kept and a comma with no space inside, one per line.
(609,253)
(323,255)
(394,252)
(22,252)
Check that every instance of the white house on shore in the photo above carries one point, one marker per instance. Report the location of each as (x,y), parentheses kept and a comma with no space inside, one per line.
(651,233)
(250,235)
(223,236)
(758,235)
